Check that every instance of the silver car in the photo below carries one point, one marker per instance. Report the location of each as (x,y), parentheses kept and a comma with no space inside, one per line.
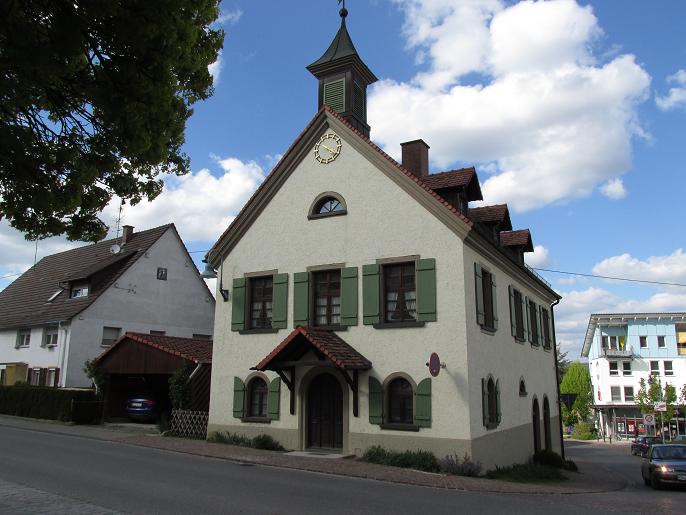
(664,463)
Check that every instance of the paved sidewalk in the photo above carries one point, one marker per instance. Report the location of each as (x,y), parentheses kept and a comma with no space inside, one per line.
(594,480)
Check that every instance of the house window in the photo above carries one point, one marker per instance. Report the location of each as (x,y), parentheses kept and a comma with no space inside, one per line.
(24,338)
(604,342)
(545,327)
(50,335)
(643,342)
(661,342)
(654,368)
(162,274)
(52,377)
(328,205)
(109,335)
(533,323)
(158,333)
(628,394)
(616,393)
(486,308)
(626,368)
(35,377)
(257,395)
(669,371)
(517,314)
(261,291)
(491,416)
(613,342)
(522,388)
(400,402)
(327,298)
(81,291)
(400,294)
(614,371)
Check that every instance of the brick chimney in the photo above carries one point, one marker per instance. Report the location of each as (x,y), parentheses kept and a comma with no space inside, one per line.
(416,157)
(127,233)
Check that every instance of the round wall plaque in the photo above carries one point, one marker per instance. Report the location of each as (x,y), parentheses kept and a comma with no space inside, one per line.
(434,364)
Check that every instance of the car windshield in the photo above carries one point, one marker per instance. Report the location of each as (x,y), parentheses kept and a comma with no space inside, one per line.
(670,453)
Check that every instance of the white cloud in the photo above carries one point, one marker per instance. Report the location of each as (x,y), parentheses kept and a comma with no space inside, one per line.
(201,204)
(229,17)
(676,97)
(614,189)
(215,69)
(539,258)
(670,268)
(536,103)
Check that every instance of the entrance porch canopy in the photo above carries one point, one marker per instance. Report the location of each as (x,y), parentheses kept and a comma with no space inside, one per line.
(329,349)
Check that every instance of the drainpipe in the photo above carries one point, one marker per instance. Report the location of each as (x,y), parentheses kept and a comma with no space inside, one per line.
(195,371)
(557,379)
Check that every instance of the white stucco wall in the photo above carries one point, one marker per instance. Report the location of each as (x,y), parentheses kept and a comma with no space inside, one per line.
(138,301)
(35,355)
(383,221)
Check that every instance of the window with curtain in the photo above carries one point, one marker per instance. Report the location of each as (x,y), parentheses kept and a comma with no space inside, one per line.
(400,292)
(327,298)
(261,292)
(257,395)
(400,399)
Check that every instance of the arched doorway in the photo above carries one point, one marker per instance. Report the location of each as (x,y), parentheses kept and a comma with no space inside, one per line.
(546,424)
(325,413)
(535,421)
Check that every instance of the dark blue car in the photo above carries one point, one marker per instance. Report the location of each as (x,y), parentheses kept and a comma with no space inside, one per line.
(142,408)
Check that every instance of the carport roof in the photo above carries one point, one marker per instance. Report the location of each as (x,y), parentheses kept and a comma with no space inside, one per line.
(196,350)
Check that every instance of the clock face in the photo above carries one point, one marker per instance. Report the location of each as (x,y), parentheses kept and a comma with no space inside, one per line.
(327,148)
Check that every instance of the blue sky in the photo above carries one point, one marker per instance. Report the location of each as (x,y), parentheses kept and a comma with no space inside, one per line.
(572,112)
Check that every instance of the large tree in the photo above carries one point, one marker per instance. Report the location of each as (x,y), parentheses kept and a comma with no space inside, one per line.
(577,380)
(94,98)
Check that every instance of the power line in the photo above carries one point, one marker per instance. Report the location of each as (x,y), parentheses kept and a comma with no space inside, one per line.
(609,277)
(10,275)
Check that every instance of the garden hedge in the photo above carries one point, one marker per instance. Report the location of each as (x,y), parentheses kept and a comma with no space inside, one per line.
(80,406)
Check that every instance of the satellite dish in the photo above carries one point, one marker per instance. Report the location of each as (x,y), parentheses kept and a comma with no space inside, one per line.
(115,249)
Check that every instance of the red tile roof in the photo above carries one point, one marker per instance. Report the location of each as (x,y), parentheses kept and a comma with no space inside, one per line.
(450,179)
(193,349)
(25,301)
(489,214)
(328,343)
(521,237)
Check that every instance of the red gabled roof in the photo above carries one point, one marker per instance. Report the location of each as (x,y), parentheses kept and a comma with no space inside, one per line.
(489,214)
(193,349)
(328,343)
(461,178)
(520,238)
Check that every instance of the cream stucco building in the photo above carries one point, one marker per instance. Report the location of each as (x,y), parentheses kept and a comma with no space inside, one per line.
(346,271)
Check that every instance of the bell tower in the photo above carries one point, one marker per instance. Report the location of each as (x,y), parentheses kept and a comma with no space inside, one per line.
(343,79)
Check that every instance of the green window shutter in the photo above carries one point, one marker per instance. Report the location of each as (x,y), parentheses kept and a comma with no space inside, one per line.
(238,397)
(273,399)
(280,301)
(238,305)
(426,290)
(349,296)
(484,402)
(422,416)
(525,316)
(513,312)
(497,399)
(529,329)
(540,325)
(494,296)
(301,299)
(370,294)
(375,401)
(479,286)
(334,95)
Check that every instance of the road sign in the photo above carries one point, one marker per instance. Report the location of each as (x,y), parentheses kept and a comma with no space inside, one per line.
(661,406)
(649,419)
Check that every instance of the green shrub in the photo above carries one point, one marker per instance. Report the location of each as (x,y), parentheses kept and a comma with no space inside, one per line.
(80,406)
(420,460)
(451,464)
(526,473)
(583,431)
(262,441)
(552,459)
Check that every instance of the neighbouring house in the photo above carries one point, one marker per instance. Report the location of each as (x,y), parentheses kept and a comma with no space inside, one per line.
(70,306)
(346,271)
(622,349)
(143,363)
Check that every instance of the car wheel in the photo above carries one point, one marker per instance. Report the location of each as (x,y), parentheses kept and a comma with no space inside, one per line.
(646,480)
(655,482)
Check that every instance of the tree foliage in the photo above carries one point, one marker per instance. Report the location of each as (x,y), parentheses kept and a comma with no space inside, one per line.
(652,392)
(577,380)
(562,364)
(94,96)
(180,392)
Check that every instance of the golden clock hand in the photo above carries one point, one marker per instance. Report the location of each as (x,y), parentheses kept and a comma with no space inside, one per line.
(327,148)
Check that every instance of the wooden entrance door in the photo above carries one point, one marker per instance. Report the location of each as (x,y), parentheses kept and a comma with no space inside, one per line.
(325,413)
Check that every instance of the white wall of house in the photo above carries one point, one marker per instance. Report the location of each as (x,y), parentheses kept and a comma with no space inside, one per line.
(138,301)
(36,355)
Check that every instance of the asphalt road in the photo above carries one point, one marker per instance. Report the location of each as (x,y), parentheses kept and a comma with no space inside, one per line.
(43,472)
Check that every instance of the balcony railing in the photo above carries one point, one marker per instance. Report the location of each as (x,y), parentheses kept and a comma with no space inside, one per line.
(618,353)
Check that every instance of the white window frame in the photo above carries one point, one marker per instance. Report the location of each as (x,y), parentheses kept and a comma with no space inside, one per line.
(654,371)
(23,338)
(51,335)
(79,292)
(614,372)
(633,395)
(50,377)
(107,342)
(619,395)
(670,371)
(626,372)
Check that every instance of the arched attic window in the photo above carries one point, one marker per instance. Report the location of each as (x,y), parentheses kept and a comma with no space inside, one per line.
(327,204)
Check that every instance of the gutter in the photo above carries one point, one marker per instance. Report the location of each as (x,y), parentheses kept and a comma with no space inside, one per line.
(557,379)
(195,371)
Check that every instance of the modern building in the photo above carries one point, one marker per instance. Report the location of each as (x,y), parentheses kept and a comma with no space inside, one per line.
(362,302)
(70,306)
(622,349)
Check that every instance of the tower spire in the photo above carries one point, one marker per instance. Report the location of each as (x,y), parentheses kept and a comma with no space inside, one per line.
(344,77)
